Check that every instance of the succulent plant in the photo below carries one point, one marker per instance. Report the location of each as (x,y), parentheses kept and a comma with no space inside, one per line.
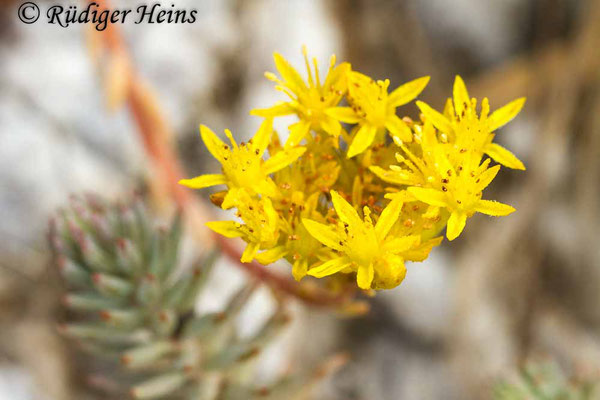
(545,381)
(131,308)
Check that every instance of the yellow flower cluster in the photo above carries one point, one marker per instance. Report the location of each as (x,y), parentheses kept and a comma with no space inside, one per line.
(356,191)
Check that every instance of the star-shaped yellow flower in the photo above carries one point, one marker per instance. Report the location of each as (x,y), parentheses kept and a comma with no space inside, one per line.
(466,130)
(308,101)
(419,166)
(367,249)
(242,165)
(296,244)
(460,194)
(260,229)
(374,109)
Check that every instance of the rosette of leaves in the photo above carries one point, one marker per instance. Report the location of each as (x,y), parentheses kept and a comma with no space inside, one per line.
(546,381)
(131,308)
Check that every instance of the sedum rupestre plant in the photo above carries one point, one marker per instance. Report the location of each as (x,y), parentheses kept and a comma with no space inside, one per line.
(356,191)
(131,307)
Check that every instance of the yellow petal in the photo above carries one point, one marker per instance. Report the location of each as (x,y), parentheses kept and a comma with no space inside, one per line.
(249,252)
(363,139)
(344,210)
(401,244)
(357,82)
(436,118)
(228,229)
(337,76)
(278,110)
(270,256)
(292,79)
(282,159)
(503,156)
(262,137)
(486,177)
(405,93)
(298,131)
(456,224)
(203,181)
(397,177)
(388,218)
(323,233)
(233,197)
(493,208)
(398,128)
(329,268)
(364,276)
(266,187)
(441,159)
(272,216)
(344,114)
(428,136)
(504,114)
(421,252)
(429,196)
(449,110)
(215,146)
(299,269)
(460,95)
(331,126)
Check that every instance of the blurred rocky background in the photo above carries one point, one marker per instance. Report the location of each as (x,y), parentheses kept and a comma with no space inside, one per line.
(509,290)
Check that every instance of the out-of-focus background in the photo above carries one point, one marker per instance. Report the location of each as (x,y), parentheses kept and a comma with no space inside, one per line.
(510,289)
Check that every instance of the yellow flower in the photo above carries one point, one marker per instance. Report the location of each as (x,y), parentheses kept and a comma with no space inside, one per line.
(260,229)
(295,243)
(468,131)
(374,110)
(460,194)
(363,247)
(309,102)
(390,204)
(419,166)
(243,166)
